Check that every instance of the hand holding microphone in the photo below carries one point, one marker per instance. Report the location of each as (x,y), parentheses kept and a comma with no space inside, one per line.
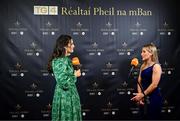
(76,65)
(139,96)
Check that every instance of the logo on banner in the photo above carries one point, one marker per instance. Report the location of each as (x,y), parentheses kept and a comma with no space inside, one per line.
(17,70)
(109,70)
(85,110)
(108,29)
(17,28)
(49,28)
(46,110)
(33,90)
(109,109)
(137,29)
(95,89)
(167,108)
(33,50)
(165,30)
(18,112)
(95,49)
(79,29)
(167,69)
(45,10)
(124,50)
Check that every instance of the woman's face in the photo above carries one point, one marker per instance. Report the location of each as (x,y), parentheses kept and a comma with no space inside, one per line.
(145,54)
(70,47)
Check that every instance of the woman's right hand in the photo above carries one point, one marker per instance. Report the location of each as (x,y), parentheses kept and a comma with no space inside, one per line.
(77,73)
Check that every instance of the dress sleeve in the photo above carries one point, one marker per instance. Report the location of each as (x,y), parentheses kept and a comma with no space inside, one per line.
(63,75)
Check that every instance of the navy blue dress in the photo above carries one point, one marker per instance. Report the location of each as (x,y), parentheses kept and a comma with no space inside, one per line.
(154,99)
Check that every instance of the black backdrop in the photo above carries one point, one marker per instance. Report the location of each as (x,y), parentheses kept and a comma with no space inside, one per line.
(105,41)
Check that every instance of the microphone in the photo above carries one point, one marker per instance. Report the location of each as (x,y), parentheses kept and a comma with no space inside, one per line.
(76,64)
(134,63)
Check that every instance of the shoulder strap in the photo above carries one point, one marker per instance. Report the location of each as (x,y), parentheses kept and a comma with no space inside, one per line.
(154,64)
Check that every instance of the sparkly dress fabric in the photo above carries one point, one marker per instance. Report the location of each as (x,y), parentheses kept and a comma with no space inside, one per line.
(154,99)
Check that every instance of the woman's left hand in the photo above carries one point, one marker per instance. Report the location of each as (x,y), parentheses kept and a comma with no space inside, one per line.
(138,97)
(77,73)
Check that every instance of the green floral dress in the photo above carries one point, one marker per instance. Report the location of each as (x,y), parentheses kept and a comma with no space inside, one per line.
(66,103)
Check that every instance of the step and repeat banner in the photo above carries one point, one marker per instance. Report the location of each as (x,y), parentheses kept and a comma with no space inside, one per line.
(107,35)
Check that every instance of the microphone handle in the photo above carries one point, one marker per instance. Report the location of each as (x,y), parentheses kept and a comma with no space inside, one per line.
(130,71)
(76,67)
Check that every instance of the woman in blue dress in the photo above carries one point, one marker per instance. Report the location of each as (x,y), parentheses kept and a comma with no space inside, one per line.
(149,78)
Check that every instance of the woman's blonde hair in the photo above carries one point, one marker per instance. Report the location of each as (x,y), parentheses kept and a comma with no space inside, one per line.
(151,48)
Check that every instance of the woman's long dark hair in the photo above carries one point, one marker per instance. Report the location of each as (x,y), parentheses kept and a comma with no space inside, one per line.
(59,49)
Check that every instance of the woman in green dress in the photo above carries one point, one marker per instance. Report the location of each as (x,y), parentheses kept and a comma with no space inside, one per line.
(66,103)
